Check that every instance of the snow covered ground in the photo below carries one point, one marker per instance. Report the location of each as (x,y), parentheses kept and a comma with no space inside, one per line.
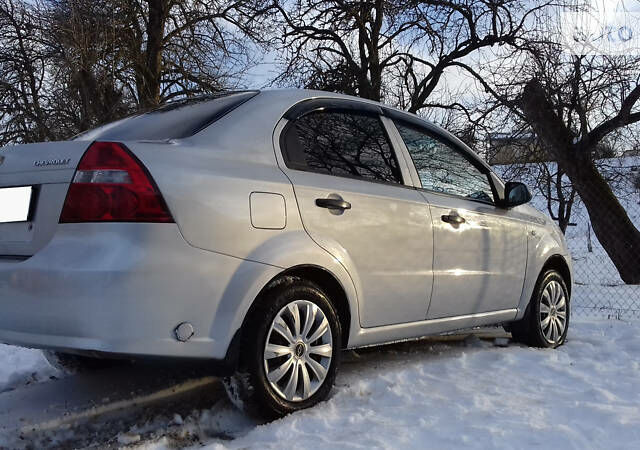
(430,394)
(21,366)
(475,395)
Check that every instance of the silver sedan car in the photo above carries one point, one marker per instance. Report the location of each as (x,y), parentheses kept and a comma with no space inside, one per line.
(265,231)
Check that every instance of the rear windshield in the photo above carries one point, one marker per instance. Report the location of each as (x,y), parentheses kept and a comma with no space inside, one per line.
(174,120)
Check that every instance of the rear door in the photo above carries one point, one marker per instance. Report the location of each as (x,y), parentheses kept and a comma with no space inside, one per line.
(350,190)
(46,169)
(480,248)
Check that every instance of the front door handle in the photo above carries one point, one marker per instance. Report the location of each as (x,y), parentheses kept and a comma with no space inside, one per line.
(333,203)
(453,219)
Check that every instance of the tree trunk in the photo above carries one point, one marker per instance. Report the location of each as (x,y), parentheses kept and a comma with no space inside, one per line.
(611,224)
(149,88)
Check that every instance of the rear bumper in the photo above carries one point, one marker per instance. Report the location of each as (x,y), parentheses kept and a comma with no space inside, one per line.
(122,289)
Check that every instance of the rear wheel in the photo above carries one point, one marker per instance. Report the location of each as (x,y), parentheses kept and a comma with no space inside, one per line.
(546,321)
(290,352)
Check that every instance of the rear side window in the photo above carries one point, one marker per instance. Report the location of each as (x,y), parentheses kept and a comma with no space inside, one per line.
(175,120)
(342,144)
(442,168)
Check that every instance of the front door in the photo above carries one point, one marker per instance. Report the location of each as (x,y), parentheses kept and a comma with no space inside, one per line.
(480,248)
(353,203)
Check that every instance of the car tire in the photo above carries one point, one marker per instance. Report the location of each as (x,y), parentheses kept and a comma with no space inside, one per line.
(546,321)
(72,363)
(287,364)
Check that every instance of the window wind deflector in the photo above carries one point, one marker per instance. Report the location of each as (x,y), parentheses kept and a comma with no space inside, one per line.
(333,104)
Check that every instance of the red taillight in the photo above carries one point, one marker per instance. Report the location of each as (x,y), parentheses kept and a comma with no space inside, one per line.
(111,185)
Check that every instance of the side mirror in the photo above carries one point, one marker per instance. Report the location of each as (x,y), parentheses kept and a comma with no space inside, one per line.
(516,193)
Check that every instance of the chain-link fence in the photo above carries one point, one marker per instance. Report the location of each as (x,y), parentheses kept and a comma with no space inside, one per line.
(598,288)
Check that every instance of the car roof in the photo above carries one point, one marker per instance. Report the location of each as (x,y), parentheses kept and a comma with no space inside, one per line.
(296,95)
(256,120)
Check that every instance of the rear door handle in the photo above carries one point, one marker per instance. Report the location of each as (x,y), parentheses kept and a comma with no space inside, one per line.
(453,219)
(333,203)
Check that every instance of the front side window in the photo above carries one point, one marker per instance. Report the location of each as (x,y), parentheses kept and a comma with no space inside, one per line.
(342,144)
(442,168)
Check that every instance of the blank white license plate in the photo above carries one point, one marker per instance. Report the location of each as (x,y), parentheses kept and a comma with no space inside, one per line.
(15,203)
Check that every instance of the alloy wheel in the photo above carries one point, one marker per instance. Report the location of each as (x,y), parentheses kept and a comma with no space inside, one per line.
(553,312)
(298,350)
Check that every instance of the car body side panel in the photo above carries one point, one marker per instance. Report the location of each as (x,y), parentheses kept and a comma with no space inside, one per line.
(384,241)
(479,265)
(210,197)
(544,240)
(202,188)
(294,249)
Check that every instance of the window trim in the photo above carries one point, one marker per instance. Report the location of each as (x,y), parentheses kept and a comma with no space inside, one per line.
(472,159)
(346,107)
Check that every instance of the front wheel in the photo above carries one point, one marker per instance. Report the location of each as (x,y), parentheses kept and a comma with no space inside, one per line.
(290,352)
(546,321)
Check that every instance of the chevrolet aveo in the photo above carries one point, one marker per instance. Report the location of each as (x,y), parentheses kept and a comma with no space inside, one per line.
(264,232)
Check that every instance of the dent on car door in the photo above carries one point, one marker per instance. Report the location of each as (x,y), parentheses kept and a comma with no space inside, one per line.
(479,248)
(349,187)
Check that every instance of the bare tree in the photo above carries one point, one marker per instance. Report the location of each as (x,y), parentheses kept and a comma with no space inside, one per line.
(68,65)
(575,105)
(23,62)
(573,148)
(397,51)
(85,43)
(179,48)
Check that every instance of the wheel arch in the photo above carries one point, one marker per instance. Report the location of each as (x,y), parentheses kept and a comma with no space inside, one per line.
(539,262)
(325,280)
(527,329)
(558,263)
